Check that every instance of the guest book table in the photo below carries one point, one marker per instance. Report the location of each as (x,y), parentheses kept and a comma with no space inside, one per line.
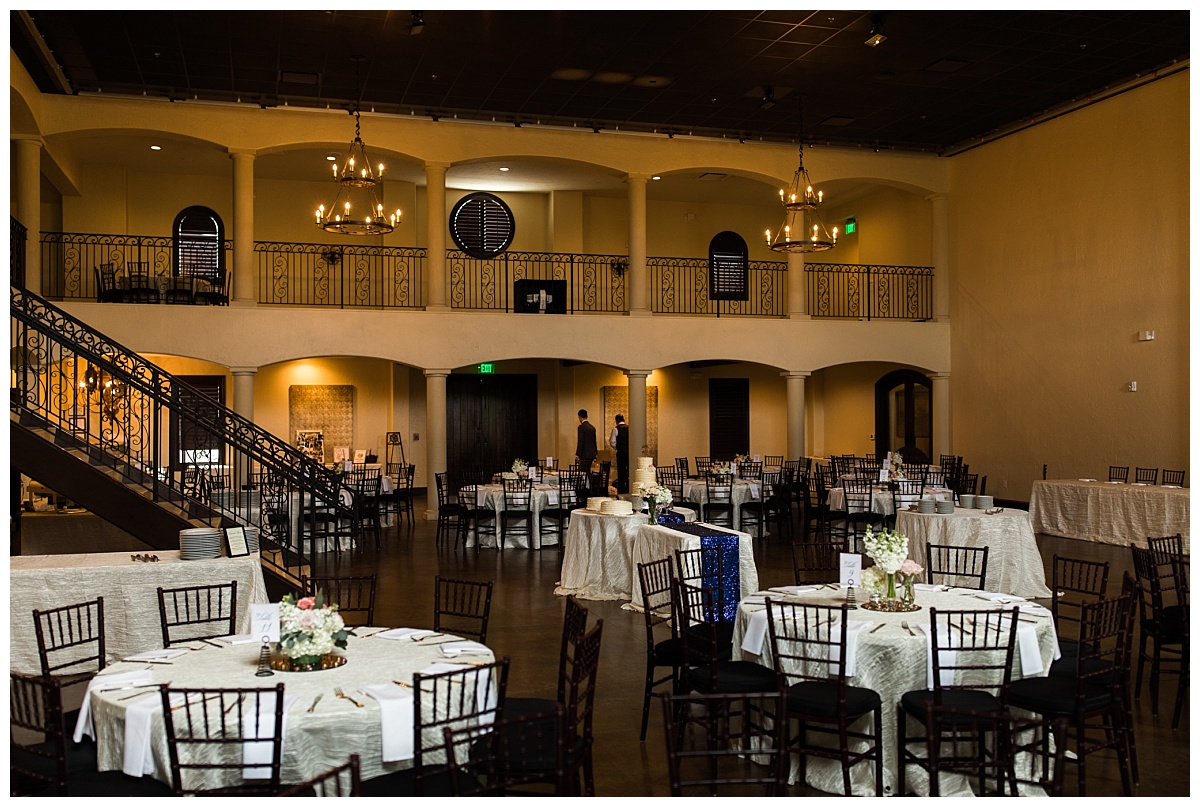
(598,556)
(655,542)
(1110,512)
(130,591)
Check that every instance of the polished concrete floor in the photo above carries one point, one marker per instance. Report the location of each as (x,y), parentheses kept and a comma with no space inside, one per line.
(526,625)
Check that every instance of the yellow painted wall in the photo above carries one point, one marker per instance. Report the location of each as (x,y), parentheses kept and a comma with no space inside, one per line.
(893,227)
(1067,240)
(847,394)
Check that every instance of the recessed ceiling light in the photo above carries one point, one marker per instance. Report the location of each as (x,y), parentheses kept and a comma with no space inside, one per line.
(331,157)
(156,148)
(503,169)
(656,178)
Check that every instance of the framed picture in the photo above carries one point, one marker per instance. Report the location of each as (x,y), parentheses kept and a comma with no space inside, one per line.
(341,453)
(311,443)
(360,456)
(235,542)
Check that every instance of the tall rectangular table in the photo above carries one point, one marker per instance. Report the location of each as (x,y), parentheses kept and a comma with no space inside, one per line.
(655,542)
(1110,512)
(130,591)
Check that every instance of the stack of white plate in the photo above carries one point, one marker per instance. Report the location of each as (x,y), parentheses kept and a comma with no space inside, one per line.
(984,502)
(594,503)
(616,507)
(944,508)
(252,538)
(200,543)
(925,506)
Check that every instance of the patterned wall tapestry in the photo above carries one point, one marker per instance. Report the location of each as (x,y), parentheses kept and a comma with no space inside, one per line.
(616,402)
(326,408)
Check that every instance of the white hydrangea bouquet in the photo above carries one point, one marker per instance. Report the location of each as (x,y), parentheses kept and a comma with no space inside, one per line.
(656,496)
(896,469)
(309,628)
(889,550)
(519,466)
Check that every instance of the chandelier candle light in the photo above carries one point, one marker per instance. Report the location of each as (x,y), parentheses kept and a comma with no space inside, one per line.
(797,199)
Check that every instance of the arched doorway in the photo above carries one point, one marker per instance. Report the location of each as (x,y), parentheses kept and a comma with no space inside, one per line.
(904,415)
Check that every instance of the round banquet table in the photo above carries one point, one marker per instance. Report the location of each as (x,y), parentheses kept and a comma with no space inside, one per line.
(1014,564)
(541,495)
(891,661)
(313,742)
(742,491)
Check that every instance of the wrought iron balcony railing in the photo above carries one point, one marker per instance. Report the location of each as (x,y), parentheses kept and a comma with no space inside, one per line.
(589,283)
(869,291)
(680,286)
(341,276)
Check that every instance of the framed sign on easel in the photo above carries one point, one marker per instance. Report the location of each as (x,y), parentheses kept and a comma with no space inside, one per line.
(395,451)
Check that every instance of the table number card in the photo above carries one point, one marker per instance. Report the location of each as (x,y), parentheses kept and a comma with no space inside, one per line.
(235,542)
(264,621)
(360,456)
(851,569)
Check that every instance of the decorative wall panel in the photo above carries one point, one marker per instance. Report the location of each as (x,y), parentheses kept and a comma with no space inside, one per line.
(327,408)
(616,402)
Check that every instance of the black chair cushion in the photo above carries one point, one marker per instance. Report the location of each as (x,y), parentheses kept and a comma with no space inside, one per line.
(698,640)
(1056,696)
(733,676)
(542,762)
(976,700)
(1067,666)
(820,699)
(667,653)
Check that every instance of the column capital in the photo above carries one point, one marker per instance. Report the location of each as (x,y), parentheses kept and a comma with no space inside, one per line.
(243,370)
(637,373)
(635,176)
(940,376)
(437,373)
(28,138)
(238,152)
(436,165)
(796,374)
(937,197)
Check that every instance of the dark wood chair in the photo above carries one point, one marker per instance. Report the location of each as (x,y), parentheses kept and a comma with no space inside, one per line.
(517,517)
(554,519)
(70,643)
(1093,702)
(1073,582)
(708,666)
(681,465)
(808,644)
(1164,618)
(354,596)
(452,512)
(657,580)
(197,612)
(517,752)
(816,561)
(462,607)
(703,465)
(106,285)
(202,723)
(859,495)
(343,780)
(365,485)
(143,286)
(976,676)
(905,492)
(1173,477)
(718,508)
(958,566)
(1118,473)
(708,758)
(1145,476)
(211,291)
(180,290)
(480,519)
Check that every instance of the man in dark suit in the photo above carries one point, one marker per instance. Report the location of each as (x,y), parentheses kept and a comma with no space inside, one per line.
(585,444)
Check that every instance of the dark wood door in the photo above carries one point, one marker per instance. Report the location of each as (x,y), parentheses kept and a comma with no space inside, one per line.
(728,417)
(904,416)
(490,421)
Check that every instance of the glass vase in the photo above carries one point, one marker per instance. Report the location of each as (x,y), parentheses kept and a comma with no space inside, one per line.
(910,596)
(891,588)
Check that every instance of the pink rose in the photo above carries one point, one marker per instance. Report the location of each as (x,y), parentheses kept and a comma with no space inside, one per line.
(910,568)
(306,603)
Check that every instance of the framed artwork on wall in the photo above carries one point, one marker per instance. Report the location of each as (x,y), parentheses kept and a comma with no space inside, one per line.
(311,443)
(360,456)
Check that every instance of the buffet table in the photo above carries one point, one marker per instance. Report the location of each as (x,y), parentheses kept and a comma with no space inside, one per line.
(130,591)
(1014,563)
(1110,512)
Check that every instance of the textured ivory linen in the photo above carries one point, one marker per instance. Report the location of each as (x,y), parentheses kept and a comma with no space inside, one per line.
(492,496)
(1110,513)
(655,542)
(694,490)
(314,741)
(598,556)
(130,591)
(881,498)
(1014,564)
(890,661)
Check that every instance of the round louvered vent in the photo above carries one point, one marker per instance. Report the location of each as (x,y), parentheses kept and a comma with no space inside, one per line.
(481,224)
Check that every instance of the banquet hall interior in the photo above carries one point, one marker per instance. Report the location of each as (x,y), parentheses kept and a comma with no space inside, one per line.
(595,211)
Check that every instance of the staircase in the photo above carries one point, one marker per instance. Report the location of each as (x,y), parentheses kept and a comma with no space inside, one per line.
(148,453)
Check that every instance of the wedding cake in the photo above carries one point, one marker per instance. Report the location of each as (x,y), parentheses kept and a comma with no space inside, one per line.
(643,475)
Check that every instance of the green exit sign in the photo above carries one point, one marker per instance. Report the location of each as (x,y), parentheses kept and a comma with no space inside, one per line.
(851,225)
(487,368)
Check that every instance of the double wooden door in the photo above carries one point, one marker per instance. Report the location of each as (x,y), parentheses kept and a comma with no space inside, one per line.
(490,421)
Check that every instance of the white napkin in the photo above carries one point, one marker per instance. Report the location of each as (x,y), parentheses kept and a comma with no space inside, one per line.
(794,590)
(992,596)
(101,682)
(552,497)
(395,719)
(407,634)
(946,657)
(753,490)
(1027,648)
(465,647)
(238,638)
(852,633)
(260,753)
(1033,609)
(1081,479)
(157,655)
(139,751)
(756,633)
(930,587)
(481,496)
(1173,487)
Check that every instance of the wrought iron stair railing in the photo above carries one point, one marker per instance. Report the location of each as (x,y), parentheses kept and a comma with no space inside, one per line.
(181,448)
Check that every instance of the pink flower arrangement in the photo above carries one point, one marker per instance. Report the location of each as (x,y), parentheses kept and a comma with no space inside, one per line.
(910,568)
(306,603)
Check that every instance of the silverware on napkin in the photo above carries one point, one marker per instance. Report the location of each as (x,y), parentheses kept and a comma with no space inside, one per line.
(877,627)
(338,691)
(904,624)
(316,700)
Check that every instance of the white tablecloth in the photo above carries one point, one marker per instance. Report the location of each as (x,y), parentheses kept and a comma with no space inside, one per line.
(492,496)
(598,555)
(881,498)
(130,591)
(1014,563)
(1110,512)
(891,662)
(655,542)
(694,490)
(313,741)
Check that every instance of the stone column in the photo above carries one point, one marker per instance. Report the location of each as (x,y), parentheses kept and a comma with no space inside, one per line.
(940,204)
(941,416)
(28,171)
(795,414)
(243,404)
(435,435)
(245,270)
(637,281)
(637,417)
(797,294)
(435,239)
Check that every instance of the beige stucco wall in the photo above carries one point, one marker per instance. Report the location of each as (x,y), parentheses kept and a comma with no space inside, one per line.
(1067,240)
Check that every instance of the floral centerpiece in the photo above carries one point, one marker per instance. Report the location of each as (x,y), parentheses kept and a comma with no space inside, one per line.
(910,570)
(656,496)
(719,468)
(520,466)
(309,628)
(889,550)
(896,468)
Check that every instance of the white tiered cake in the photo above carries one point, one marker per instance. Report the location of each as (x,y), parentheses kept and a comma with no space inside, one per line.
(643,474)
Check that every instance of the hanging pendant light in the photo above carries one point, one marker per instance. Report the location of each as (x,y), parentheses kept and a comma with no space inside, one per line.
(357,209)
(803,229)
